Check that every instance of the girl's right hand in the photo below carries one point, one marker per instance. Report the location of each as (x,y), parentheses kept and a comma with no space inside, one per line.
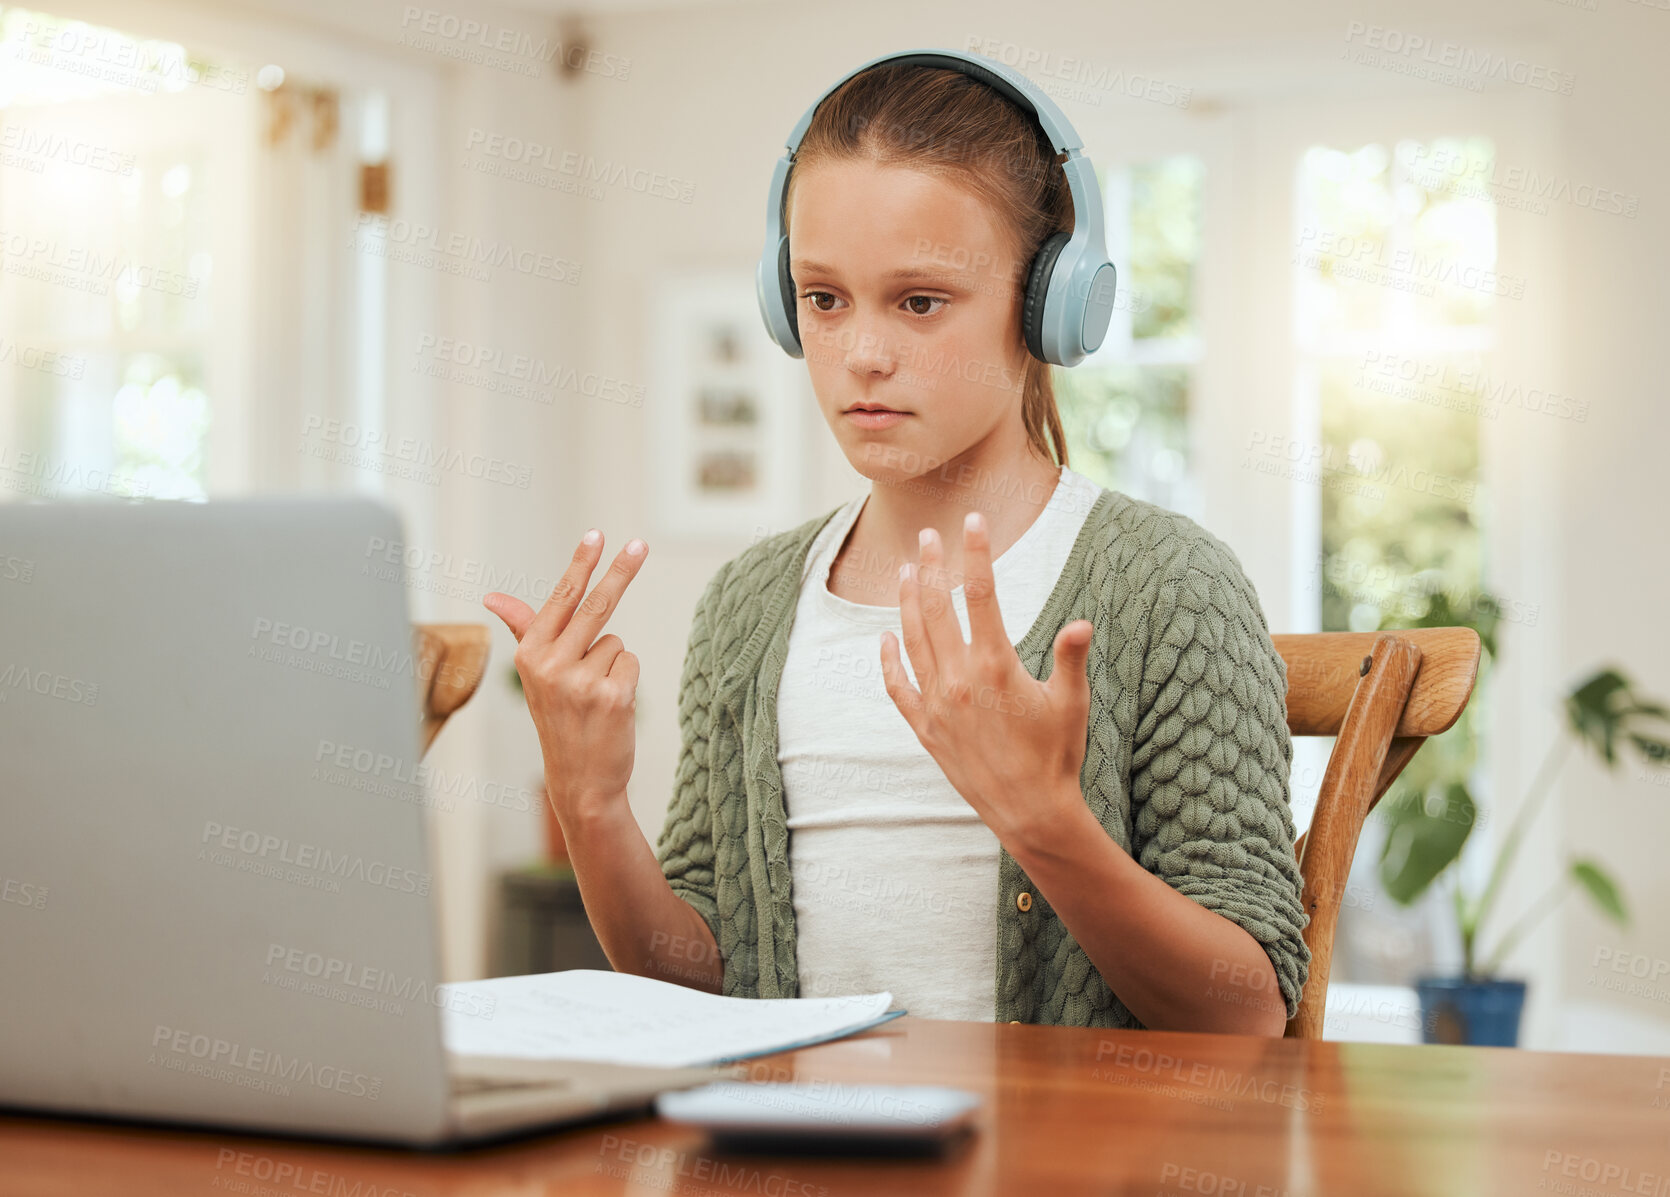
(582,695)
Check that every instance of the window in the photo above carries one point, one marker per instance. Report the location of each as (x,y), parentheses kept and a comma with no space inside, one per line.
(1395,276)
(1125,408)
(1395,285)
(107,290)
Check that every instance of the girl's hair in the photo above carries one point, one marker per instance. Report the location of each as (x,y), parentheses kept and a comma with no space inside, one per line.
(936,119)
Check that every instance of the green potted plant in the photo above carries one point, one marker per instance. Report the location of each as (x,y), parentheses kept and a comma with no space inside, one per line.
(1431,813)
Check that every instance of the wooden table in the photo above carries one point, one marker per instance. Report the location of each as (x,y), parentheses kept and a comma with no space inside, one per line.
(1066,1111)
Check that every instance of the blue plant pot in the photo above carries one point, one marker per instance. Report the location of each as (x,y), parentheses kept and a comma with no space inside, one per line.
(1476,1013)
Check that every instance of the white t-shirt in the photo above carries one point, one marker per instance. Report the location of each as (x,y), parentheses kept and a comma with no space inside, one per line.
(894,875)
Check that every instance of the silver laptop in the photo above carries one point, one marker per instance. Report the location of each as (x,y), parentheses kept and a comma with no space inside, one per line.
(217,902)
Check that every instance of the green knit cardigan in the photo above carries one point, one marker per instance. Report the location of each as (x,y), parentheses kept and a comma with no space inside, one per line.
(1186,763)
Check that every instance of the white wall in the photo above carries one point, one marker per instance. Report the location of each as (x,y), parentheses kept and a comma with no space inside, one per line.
(1606,547)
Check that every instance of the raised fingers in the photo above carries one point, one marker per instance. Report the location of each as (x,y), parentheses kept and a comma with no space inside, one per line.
(939,614)
(913,632)
(559,612)
(904,695)
(565,596)
(516,614)
(588,619)
(985,621)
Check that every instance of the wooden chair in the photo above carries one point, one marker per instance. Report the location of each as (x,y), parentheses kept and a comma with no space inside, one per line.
(452,657)
(1382,694)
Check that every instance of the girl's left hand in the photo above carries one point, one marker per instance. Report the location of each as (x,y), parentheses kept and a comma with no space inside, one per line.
(1011,745)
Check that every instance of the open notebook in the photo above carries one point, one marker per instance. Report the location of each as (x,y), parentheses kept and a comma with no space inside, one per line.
(550,1025)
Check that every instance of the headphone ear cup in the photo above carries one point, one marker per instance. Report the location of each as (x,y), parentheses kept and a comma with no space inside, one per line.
(785,290)
(1037,288)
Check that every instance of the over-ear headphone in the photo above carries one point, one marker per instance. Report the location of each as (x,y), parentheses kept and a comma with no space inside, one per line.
(1070,285)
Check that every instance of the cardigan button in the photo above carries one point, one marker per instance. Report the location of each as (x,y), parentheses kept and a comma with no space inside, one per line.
(1023,900)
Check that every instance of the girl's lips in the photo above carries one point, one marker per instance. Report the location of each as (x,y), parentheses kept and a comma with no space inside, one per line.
(876,419)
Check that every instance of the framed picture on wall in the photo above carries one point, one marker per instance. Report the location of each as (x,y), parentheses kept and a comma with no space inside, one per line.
(725,409)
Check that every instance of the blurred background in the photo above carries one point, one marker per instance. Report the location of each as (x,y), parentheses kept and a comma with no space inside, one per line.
(1391,323)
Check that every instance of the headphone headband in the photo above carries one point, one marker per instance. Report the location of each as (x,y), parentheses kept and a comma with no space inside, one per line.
(1071,282)
(1013,85)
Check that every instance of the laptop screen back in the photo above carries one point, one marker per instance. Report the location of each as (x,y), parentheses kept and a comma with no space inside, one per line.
(217,895)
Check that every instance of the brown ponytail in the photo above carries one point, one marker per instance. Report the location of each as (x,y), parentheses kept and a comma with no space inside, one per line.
(936,119)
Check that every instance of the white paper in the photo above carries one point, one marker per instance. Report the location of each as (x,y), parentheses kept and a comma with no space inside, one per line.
(619,1018)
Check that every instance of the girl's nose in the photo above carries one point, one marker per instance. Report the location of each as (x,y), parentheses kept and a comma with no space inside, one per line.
(868,353)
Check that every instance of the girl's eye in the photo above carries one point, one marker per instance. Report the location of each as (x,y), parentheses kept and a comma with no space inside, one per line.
(816,298)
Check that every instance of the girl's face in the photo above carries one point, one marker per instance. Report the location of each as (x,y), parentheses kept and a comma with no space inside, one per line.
(907,299)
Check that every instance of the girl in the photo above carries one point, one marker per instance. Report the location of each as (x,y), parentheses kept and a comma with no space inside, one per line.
(868,751)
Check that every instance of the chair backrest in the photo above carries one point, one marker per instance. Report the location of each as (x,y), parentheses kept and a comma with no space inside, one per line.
(1381,694)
